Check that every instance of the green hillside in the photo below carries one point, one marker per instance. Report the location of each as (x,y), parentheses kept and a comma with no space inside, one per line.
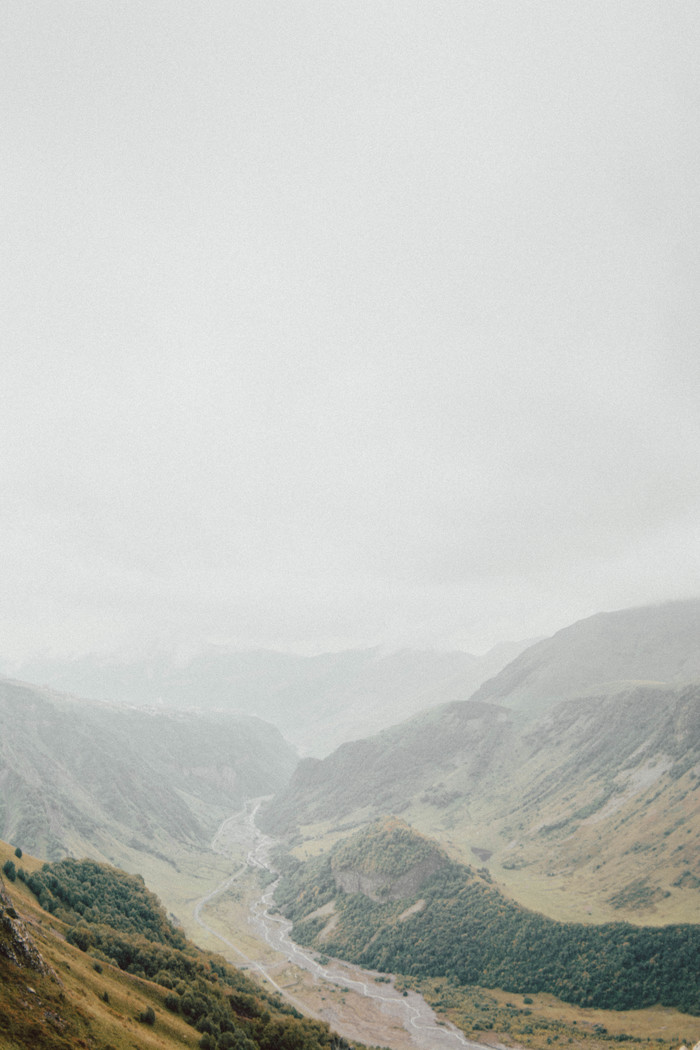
(387,849)
(104,968)
(458,924)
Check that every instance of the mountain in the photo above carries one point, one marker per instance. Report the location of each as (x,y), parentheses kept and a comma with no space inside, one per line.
(98,964)
(588,811)
(608,652)
(317,702)
(383,773)
(100,779)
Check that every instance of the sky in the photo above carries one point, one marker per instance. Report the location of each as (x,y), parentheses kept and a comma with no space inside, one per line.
(333,324)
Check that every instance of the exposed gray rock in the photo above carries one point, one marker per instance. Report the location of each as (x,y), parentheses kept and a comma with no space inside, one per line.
(15,943)
(384,888)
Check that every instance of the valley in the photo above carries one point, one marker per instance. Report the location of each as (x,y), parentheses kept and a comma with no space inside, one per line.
(100,965)
(493,1018)
(506,856)
(350,530)
(486,1016)
(390,899)
(361,1005)
(316,702)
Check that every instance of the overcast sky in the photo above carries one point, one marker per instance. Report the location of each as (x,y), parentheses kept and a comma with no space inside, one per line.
(348,322)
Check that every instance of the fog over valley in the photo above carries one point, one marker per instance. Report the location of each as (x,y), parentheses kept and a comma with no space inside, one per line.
(349,540)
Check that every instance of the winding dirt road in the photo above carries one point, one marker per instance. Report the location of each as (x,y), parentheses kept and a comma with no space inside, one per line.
(384,1017)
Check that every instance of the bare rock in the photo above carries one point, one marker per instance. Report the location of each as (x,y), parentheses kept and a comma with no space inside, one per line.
(15,943)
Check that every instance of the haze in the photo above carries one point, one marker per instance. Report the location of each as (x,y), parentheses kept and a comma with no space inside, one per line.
(339,324)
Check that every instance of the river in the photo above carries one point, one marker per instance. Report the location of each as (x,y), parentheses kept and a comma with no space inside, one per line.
(365,1012)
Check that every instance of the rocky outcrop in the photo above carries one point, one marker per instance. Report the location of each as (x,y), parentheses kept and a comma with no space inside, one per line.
(385,888)
(15,943)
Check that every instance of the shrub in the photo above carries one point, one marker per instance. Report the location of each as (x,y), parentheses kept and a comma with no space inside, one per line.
(10,870)
(148,1016)
(80,937)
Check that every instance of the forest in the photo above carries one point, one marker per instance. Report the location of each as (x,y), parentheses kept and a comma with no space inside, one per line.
(466,929)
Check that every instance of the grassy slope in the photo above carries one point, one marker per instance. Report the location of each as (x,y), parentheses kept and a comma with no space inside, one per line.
(538,1021)
(39,1012)
(84,1002)
(587,835)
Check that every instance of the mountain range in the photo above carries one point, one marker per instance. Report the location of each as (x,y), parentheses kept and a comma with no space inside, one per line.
(574,780)
(561,793)
(317,702)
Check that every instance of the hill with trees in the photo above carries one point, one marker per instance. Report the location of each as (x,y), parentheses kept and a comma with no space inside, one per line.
(100,965)
(455,923)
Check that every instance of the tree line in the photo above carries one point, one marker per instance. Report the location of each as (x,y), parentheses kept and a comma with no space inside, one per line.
(114,918)
(467,930)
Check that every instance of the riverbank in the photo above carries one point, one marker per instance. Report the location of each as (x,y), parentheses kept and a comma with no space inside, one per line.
(360,1005)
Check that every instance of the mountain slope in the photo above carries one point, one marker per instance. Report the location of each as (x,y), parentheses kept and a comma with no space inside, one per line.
(589,812)
(388,770)
(104,968)
(609,651)
(91,778)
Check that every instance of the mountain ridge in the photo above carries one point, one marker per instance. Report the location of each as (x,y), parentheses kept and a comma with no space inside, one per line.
(606,652)
(569,802)
(317,702)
